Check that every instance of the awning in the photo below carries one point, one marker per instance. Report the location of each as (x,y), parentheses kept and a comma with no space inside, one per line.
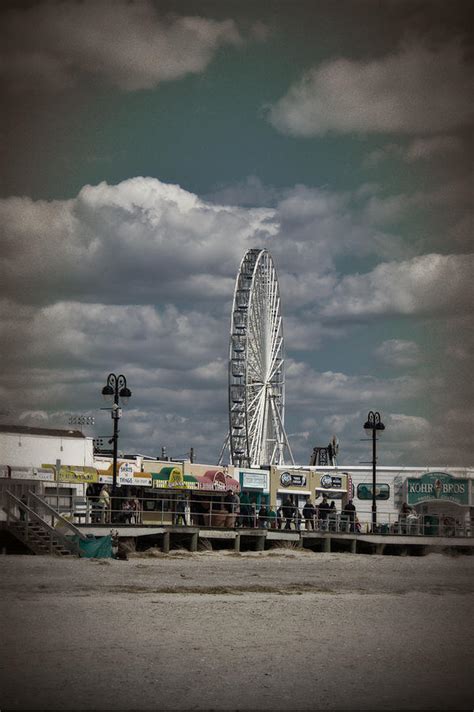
(173,478)
(293,491)
(217,481)
(332,490)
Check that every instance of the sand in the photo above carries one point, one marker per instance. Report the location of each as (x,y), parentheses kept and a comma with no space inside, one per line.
(277,630)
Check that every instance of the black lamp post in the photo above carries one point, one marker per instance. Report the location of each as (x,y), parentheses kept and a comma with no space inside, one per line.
(116,389)
(373,426)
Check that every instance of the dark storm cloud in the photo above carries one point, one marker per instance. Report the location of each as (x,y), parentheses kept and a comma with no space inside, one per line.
(52,45)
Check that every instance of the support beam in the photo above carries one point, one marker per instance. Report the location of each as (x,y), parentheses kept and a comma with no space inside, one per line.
(193,546)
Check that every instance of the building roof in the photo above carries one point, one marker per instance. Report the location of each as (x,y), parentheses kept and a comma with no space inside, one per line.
(51,432)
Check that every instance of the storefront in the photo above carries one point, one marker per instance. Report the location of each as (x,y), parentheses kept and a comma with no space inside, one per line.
(294,484)
(441,501)
(254,486)
(334,486)
(183,493)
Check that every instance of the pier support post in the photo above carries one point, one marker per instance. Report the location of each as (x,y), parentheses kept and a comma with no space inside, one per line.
(327,545)
(379,548)
(193,546)
(260,543)
(166,543)
(237,543)
(354,546)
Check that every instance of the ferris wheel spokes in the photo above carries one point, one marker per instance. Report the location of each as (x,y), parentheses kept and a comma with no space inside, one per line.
(256,364)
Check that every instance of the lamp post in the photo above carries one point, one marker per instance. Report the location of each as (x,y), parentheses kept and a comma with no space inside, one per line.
(372,426)
(116,389)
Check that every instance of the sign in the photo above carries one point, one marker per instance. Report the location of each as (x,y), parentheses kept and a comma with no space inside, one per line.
(128,475)
(32,473)
(176,478)
(289,479)
(172,477)
(257,480)
(77,474)
(437,486)
(331,482)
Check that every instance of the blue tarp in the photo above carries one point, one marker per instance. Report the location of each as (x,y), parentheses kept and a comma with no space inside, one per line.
(98,547)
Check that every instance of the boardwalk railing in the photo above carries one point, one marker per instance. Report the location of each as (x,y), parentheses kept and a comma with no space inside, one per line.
(202,511)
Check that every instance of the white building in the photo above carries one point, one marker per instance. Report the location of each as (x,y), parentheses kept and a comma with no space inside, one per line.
(442,492)
(22,446)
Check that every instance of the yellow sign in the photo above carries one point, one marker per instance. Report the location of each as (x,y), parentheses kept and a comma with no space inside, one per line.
(78,474)
(176,478)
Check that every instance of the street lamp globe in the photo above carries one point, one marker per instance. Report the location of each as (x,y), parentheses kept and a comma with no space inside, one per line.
(108,392)
(125,394)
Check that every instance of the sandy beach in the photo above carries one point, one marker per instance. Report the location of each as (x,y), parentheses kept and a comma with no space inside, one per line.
(281,629)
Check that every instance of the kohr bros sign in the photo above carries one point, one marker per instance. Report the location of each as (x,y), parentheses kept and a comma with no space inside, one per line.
(437,486)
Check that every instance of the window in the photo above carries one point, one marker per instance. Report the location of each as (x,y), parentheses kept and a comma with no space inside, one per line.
(61,499)
(382,491)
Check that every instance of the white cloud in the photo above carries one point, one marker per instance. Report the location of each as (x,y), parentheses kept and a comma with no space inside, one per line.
(399,353)
(418,90)
(125,43)
(426,285)
(134,242)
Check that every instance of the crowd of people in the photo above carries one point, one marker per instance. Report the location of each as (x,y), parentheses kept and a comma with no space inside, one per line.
(324,516)
(234,511)
(130,511)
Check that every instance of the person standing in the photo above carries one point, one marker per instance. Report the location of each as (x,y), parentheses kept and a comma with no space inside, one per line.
(332,516)
(263,516)
(308,513)
(231,505)
(324,513)
(279,517)
(245,512)
(288,512)
(104,504)
(350,513)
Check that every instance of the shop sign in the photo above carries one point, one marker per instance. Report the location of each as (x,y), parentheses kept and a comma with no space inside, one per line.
(290,479)
(105,479)
(77,474)
(172,477)
(140,479)
(176,478)
(32,473)
(331,482)
(437,486)
(130,475)
(254,480)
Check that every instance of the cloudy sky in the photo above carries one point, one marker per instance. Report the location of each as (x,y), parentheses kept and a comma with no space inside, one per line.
(146,145)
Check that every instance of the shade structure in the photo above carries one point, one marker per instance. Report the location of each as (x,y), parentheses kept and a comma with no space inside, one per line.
(217,481)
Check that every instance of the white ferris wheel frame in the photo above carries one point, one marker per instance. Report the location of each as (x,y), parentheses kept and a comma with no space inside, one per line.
(256,366)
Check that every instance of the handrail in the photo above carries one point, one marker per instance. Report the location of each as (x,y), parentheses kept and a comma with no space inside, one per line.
(31,513)
(75,530)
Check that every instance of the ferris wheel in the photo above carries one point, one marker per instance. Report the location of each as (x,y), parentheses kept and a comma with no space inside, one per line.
(256,366)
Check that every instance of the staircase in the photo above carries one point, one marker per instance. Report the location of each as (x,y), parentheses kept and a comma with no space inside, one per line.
(38,540)
(34,532)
